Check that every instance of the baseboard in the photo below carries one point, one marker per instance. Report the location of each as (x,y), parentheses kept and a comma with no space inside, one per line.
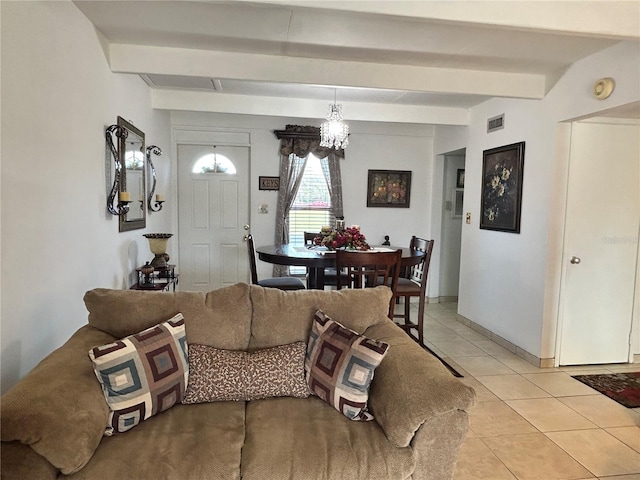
(506,344)
(442,299)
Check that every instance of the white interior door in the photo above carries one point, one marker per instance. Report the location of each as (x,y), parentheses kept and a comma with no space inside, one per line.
(601,239)
(213,214)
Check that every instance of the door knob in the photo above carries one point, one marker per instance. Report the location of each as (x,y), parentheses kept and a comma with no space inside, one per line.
(575,260)
(247,227)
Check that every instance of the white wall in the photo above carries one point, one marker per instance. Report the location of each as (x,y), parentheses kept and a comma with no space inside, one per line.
(371,146)
(503,275)
(58,95)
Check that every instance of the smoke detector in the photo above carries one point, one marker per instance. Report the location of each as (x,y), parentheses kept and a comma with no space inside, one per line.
(603,88)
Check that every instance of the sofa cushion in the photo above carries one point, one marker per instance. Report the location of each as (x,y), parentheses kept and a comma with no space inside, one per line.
(340,365)
(187,442)
(281,317)
(58,409)
(216,375)
(143,374)
(221,318)
(296,438)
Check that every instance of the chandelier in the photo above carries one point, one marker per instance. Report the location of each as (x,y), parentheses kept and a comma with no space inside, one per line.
(334,132)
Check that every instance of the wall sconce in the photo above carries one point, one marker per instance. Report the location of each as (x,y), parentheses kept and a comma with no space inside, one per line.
(124,199)
(159,200)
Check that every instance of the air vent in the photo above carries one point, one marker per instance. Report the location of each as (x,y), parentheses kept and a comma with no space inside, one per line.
(495,123)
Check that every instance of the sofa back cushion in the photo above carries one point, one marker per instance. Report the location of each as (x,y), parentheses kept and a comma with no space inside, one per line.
(220,319)
(282,317)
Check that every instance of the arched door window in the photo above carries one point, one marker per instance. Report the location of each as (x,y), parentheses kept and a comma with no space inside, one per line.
(214,163)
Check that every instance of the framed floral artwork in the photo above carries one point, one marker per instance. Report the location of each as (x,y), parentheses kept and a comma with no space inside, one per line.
(388,188)
(502,188)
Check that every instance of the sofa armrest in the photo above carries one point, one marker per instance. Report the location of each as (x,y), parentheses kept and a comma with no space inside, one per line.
(58,409)
(20,461)
(411,387)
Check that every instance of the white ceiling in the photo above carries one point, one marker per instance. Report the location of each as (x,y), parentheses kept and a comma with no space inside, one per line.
(428,59)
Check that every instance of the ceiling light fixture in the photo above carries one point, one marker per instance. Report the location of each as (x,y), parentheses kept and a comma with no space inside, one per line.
(334,132)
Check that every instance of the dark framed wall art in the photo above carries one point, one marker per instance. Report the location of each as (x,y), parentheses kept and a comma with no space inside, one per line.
(502,169)
(389,188)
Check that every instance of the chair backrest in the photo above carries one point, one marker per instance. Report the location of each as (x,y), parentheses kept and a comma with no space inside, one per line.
(420,272)
(252,259)
(308,238)
(369,269)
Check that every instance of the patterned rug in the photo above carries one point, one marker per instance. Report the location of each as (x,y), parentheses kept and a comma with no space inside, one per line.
(624,388)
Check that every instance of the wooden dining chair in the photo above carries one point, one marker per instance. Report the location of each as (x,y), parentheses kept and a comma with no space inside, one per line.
(414,284)
(282,283)
(330,273)
(370,269)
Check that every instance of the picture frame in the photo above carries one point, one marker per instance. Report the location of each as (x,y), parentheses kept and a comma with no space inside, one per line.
(268,183)
(501,200)
(460,178)
(389,188)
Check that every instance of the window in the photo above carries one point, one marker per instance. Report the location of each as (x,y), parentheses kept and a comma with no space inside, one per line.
(311,208)
(214,163)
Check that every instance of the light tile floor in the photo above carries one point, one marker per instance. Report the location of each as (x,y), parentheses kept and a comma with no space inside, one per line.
(532,423)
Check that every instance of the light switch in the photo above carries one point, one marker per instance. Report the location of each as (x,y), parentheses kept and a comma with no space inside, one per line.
(468,217)
(263,208)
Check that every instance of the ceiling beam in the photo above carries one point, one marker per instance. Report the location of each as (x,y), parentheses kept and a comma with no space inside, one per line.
(301,108)
(615,19)
(275,68)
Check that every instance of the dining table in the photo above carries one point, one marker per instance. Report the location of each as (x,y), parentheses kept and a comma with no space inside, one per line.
(316,259)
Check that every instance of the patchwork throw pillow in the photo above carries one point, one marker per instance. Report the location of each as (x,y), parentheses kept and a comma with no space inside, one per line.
(340,364)
(221,375)
(143,374)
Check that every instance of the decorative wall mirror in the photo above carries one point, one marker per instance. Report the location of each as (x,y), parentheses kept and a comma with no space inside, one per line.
(132,176)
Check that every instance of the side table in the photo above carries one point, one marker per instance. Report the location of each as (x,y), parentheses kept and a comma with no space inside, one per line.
(160,280)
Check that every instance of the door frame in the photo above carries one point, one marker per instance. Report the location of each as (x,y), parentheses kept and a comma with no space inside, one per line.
(228,137)
(553,304)
(438,199)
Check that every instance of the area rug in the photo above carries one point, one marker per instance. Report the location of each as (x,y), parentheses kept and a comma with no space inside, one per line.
(624,388)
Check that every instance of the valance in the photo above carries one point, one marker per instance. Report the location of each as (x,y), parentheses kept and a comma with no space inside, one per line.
(302,140)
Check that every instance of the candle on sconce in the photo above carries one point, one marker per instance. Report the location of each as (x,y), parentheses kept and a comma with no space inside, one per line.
(124,197)
(159,198)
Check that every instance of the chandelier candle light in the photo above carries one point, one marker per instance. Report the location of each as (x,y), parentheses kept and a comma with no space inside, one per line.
(334,132)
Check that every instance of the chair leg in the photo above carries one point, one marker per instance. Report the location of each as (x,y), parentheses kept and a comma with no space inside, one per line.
(421,320)
(407,307)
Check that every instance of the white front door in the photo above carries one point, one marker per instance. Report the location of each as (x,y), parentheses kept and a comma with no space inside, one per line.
(213,215)
(601,241)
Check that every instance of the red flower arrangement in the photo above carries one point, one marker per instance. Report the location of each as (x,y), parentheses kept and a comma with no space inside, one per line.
(349,238)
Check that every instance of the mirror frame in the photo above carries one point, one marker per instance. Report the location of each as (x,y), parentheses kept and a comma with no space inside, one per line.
(125,223)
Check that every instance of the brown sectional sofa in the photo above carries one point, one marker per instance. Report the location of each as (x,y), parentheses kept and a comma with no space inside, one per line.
(53,420)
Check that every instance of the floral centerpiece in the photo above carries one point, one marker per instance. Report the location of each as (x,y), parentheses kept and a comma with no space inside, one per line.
(349,238)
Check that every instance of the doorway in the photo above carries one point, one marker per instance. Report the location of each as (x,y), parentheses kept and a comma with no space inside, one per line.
(600,243)
(213,216)
(451,225)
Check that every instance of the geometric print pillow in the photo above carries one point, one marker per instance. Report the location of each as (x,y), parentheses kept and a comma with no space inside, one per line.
(340,364)
(143,374)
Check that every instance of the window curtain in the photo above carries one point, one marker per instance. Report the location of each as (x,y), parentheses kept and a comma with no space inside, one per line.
(296,142)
